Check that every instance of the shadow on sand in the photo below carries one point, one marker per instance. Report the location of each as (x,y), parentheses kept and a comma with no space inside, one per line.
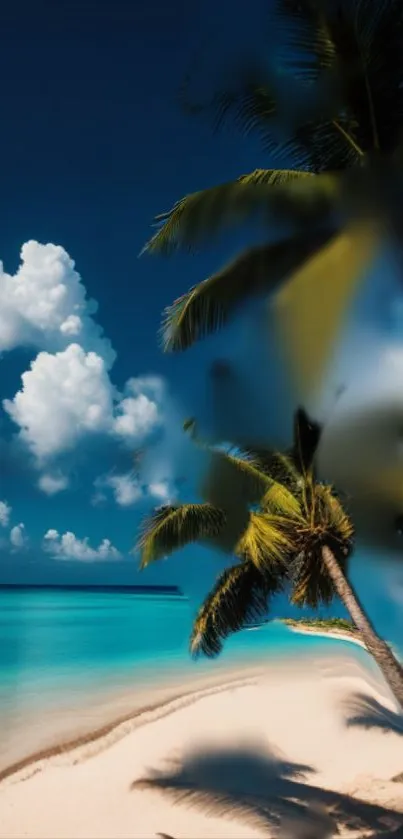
(367,712)
(269,793)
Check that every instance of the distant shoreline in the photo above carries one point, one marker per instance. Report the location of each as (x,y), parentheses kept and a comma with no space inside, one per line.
(106,589)
(322,631)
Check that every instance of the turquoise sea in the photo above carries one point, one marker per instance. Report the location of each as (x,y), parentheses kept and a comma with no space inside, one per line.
(63,652)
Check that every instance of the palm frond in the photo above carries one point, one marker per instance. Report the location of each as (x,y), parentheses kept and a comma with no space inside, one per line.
(306,44)
(250,103)
(208,306)
(361,43)
(279,465)
(337,521)
(304,123)
(266,543)
(327,523)
(281,501)
(368,40)
(312,585)
(239,596)
(173,527)
(306,440)
(326,144)
(198,216)
(282,112)
(233,479)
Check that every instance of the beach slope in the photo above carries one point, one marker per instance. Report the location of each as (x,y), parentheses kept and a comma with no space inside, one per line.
(314,744)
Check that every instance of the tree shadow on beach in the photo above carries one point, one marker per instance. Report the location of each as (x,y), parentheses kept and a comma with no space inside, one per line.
(366,712)
(267,792)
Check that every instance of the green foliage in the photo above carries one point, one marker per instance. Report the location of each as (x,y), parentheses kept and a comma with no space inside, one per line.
(349,53)
(208,306)
(240,596)
(280,543)
(267,542)
(340,624)
(172,527)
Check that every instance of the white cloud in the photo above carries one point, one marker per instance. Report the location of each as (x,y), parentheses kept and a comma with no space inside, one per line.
(51,534)
(68,394)
(44,304)
(152,386)
(62,396)
(52,484)
(68,546)
(139,411)
(161,490)
(99,498)
(136,417)
(5,513)
(126,488)
(17,536)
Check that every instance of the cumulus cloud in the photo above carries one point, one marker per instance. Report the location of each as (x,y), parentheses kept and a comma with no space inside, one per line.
(68,394)
(135,417)
(126,488)
(62,396)
(52,484)
(45,305)
(68,546)
(138,412)
(17,536)
(5,513)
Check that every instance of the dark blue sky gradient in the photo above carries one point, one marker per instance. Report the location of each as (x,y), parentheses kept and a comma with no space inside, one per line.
(94,145)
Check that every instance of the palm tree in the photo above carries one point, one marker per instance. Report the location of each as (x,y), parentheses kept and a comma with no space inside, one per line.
(296,536)
(344,61)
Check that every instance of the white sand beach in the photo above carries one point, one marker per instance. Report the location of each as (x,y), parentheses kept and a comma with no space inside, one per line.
(314,744)
(331,633)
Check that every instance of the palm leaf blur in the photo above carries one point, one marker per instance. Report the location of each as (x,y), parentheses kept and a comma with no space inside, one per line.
(307,319)
(209,305)
(334,100)
(268,192)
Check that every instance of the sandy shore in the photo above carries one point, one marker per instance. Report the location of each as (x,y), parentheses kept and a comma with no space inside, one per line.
(317,743)
(340,636)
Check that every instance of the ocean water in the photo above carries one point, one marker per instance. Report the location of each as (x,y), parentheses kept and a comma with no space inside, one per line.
(60,649)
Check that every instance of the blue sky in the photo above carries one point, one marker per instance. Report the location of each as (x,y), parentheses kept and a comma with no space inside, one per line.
(94,144)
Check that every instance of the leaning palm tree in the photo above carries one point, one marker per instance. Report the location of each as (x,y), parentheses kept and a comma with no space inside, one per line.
(344,61)
(296,537)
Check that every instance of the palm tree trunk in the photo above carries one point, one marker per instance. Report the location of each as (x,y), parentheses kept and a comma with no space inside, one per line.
(386,661)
